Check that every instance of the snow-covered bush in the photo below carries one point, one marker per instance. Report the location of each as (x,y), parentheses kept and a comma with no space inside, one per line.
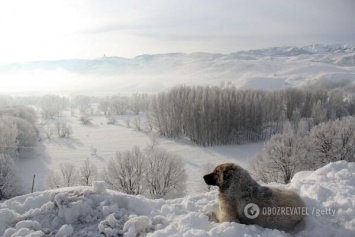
(9,180)
(63,129)
(85,118)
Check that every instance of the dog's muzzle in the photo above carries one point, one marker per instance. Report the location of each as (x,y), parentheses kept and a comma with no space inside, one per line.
(209,179)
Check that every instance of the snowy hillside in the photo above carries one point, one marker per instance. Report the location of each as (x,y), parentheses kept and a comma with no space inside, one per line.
(329,194)
(270,68)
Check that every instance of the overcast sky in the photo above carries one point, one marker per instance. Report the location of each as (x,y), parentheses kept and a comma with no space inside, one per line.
(59,29)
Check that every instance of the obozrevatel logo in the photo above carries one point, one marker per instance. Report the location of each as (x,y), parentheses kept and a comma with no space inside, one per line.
(251,211)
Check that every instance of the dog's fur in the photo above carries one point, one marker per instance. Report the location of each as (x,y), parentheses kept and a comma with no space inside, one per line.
(237,189)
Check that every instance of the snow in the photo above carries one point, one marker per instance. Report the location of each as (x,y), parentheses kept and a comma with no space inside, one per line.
(328,192)
(154,73)
(108,139)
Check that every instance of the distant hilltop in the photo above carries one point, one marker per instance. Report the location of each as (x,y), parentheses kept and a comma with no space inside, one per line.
(268,68)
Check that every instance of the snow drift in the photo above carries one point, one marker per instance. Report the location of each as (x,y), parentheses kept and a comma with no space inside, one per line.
(328,192)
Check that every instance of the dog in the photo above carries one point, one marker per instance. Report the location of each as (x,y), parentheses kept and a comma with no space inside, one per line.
(243,200)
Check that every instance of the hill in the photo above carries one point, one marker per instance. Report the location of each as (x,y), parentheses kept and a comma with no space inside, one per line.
(269,68)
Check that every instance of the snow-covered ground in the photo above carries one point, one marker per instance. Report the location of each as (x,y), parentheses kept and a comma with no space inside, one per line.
(108,139)
(328,192)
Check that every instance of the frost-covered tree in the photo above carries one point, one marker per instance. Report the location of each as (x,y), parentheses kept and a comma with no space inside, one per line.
(83,103)
(319,114)
(54,180)
(137,122)
(88,173)
(53,105)
(26,135)
(8,136)
(165,175)
(118,105)
(9,181)
(85,118)
(67,176)
(283,155)
(125,171)
(334,140)
(63,129)
(138,102)
(104,105)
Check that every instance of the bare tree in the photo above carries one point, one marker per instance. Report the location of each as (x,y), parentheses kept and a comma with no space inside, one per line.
(125,171)
(69,174)
(52,105)
(165,175)
(137,123)
(138,102)
(54,180)
(83,103)
(104,105)
(88,173)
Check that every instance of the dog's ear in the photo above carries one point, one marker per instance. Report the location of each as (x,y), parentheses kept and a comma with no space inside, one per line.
(227,173)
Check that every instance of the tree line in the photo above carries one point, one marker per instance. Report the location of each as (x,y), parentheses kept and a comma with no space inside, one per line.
(219,116)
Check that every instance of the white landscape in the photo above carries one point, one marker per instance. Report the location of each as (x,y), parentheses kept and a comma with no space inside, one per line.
(115,118)
(97,211)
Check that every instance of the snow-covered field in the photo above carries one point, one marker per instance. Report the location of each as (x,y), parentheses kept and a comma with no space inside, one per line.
(108,139)
(88,211)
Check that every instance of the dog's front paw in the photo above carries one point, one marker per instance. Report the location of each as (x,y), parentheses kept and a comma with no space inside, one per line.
(212,216)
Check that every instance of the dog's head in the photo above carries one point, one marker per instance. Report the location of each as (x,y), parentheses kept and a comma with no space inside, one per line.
(222,175)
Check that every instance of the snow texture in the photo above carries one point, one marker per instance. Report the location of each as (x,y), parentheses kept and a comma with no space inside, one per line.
(95,211)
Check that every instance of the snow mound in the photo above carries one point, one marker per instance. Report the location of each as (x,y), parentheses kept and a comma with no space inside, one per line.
(329,194)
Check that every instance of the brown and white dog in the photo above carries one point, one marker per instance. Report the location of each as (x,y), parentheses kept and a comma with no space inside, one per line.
(277,208)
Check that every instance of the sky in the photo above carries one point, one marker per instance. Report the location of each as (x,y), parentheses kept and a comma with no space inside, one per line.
(65,29)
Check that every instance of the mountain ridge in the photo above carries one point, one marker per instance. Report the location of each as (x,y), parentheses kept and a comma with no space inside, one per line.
(268,68)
